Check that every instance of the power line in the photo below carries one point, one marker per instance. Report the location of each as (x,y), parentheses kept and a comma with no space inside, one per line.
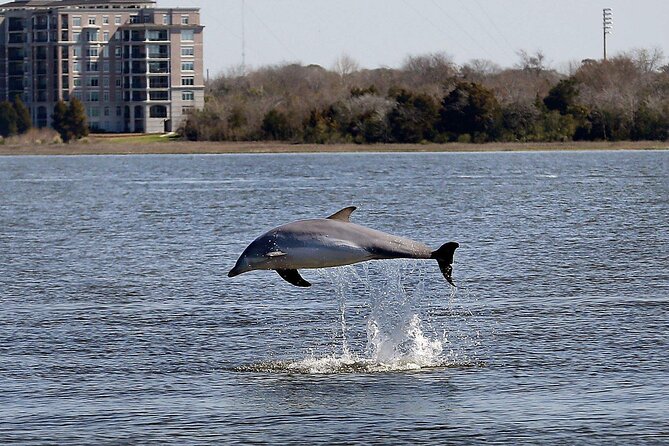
(484,27)
(494,25)
(428,20)
(269,30)
(464,30)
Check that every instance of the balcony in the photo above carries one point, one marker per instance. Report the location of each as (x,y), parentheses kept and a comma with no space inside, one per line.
(15,54)
(40,37)
(16,24)
(139,84)
(17,38)
(159,55)
(157,35)
(159,67)
(139,96)
(159,82)
(159,95)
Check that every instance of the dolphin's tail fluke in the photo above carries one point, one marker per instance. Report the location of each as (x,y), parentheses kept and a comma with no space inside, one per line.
(444,256)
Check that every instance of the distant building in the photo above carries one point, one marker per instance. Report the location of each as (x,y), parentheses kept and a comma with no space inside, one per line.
(136,67)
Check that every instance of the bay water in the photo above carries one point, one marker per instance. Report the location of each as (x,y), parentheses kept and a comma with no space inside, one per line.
(119,325)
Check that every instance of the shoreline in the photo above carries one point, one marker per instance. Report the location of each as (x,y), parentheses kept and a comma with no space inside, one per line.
(119,146)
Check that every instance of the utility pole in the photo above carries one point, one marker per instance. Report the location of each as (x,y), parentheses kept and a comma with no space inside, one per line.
(608,25)
(243,37)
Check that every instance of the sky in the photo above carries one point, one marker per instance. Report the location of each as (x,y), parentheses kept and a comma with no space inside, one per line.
(382,33)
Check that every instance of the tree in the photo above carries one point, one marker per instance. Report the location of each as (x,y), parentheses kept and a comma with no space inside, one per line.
(531,62)
(562,97)
(8,119)
(23,120)
(276,126)
(413,118)
(470,109)
(58,120)
(75,118)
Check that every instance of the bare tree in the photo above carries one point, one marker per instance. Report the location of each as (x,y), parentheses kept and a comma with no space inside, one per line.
(345,66)
(535,63)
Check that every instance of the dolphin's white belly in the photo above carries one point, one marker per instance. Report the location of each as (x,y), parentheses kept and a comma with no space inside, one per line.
(325,255)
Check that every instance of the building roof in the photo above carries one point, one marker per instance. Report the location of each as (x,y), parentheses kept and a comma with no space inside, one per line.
(66,3)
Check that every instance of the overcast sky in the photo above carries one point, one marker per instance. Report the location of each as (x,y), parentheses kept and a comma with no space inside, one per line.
(383,32)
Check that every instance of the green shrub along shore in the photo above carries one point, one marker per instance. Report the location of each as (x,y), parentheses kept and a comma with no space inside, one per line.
(430,99)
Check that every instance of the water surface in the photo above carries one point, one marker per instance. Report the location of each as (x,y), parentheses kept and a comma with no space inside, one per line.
(119,325)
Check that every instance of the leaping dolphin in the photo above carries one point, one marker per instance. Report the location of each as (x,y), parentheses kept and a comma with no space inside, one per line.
(332,241)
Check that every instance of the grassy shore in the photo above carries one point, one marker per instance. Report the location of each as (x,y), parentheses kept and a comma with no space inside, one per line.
(155,144)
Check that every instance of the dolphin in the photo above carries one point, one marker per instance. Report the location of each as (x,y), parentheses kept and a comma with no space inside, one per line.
(332,241)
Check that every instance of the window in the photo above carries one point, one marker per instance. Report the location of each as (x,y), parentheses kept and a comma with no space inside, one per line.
(93,52)
(187,96)
(93,96)
(117,51)
(187,80)
(77,82)
(105,66)
(187,110)
(105,36)
(105,98)
(158,111)
(105,82)
(105,51)
(119,111)
(91,66)
(76,21)
(76,67)
(94,112)
(76,51)
(166,19)
(106,111)
(118,83)
(92,20)
(76,37)
(105,20)
(187,66)
(187,51)
(187,35)
(184,20)
(117,20)
(119,96)
(92,82)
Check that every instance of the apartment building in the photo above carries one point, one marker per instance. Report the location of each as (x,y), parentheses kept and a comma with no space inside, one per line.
(135,66)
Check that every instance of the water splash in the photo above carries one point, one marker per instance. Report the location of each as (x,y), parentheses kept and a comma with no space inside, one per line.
(392,316)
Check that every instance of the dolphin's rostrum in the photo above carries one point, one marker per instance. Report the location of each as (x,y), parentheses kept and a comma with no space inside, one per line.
(332,241)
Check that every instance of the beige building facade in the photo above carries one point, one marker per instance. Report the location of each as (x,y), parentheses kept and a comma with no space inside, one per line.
(136,67)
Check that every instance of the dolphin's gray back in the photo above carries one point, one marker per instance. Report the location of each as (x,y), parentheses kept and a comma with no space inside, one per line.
(333,233)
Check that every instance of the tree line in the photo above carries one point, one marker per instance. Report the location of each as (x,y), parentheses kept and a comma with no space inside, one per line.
(431,99)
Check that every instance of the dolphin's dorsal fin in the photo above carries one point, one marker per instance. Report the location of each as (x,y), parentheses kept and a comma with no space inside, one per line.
(293,277)
(343,215)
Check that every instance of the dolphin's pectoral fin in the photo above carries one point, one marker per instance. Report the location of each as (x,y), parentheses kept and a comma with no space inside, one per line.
(343,215)
(293,277)
(276,254)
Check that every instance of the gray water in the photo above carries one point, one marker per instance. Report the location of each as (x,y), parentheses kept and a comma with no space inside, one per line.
(118,324)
